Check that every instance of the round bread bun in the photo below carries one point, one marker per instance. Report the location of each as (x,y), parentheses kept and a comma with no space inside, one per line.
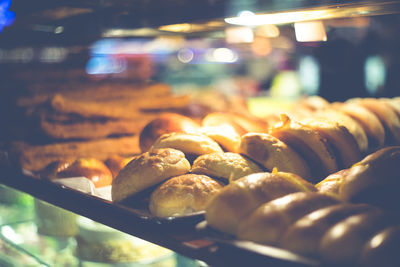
(239,198)
(374,180)
(268,222)
(227,165)
(352,125)
(182,195)
(242,124)
(190,144)
(165,123)
(148,169)
(382,249)
(304,235)
(313,103)
(344,145)
(309,144)
(368,120)
(225,135)
(342,244)
(386,115)
(331,184)
(272,153)
(91,168)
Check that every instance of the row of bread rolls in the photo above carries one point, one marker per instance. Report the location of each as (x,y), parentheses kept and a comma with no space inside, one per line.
(312,224)
(373,180)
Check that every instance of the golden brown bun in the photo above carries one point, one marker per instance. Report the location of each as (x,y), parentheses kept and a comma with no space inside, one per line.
(303,237)
(148,169)
(344,145)
(227,165)
(268,222)
(184,194)
(165,123)
(342,244)
(368,120)
(309,144)
(238,199)
(272,153)
(224,135)
(386,115)
(382,249)
(331,184)
(93,169)
(312,103)
(374,180)
(190,144)
(352,125)
(115,163)
(241,123)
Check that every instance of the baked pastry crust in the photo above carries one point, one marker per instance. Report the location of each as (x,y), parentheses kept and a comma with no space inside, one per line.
(148,169)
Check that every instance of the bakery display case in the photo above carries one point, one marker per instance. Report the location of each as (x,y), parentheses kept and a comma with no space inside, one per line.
(181,133)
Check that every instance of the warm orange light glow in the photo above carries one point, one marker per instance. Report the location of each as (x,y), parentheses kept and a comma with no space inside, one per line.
(239,35)
(310,31)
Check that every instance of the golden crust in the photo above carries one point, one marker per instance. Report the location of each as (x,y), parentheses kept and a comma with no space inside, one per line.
(309,143)
(184,194)
(368,120)
(238,199)
(230,166)
(148,169)
(272,153)
(345,146)
(191,144)
(225,135)
(268,222)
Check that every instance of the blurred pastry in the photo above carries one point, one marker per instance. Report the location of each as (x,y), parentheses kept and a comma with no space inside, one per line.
(352,125)
(148,169)
(182,195)
(368,120)
(269,221)
(309,144)
(115,163)
(344,145)
(225,135)
(238,199)
(382,249)
(227,165)
(165,123)
(303,237)
(190,144)
(386,115)
(91,168)
(272,153)
(342,244)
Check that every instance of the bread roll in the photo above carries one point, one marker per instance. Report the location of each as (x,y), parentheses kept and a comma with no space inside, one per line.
(331,184)
(241,123)
(148,169)
(190,144)
(165,123)
(227,165)
(303,237)
(382,249)
(182,195)
(238,199)
(91,168)
(272,153)
(344,145)
(386,115)
(374,180)
(352,126)
(368,120)
(268,222)
(309,144)
(342,244)
(224,135)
